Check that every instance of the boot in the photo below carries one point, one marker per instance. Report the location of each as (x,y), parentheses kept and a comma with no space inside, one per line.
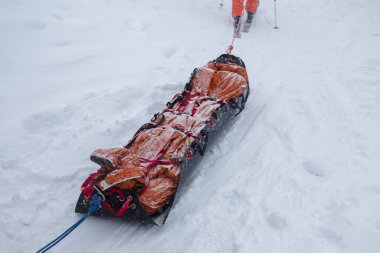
(250,17)
(236,21)
(248,22)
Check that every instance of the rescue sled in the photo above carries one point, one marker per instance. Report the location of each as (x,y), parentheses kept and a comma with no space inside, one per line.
(141,180)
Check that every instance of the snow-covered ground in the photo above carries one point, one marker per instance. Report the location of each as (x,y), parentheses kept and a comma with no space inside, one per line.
(299,171)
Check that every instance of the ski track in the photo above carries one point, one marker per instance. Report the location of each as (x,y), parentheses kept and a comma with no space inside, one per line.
(296,172)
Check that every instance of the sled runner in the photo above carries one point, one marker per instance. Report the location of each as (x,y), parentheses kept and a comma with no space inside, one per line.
(141,180)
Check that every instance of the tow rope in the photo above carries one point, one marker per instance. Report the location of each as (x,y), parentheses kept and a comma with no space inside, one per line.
(94,205)
(231,46)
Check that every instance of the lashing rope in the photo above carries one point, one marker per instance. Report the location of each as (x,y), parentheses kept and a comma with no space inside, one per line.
(151,164)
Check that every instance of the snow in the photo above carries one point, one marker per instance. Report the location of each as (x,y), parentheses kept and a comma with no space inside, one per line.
(297,172)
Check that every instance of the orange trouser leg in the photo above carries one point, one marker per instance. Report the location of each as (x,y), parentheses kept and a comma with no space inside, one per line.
(251,5)
(237,7)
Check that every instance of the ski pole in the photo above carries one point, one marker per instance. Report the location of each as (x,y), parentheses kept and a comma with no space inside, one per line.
(275,15)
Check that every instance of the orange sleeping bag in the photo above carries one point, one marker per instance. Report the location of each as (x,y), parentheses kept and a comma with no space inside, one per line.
(150,165)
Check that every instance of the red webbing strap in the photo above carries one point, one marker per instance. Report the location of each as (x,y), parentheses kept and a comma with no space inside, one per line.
(117,190)
(87,188)
(153,163)
(190,134)
(157,160)
(122,210)
(194,111)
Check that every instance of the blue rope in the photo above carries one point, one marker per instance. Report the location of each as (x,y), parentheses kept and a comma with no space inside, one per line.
(94,205)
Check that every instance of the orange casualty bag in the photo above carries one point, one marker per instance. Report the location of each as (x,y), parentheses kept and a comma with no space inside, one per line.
(140,181)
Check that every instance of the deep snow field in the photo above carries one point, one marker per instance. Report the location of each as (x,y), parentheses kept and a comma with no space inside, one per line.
(299,170)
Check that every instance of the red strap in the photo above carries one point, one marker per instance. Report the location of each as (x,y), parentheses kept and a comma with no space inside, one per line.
(123,208)
(157,160)
(153,163)
(88,189)
(190,134)
(119,192)
(187,96)
(194,111)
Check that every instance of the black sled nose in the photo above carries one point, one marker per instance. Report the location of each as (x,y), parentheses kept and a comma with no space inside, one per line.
(134,213)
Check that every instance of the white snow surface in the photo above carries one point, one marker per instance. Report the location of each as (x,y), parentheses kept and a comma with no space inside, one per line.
(299,170)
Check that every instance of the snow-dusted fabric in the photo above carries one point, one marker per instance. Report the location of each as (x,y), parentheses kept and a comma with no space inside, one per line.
(158,194)
(186,123)
(128,166)
(220,81)
(150,165)
(200,107)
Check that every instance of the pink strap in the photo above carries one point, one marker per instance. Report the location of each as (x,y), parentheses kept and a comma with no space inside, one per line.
(88,189)
(190,134)
(153,163)
(157,160)
(123,208)
(119,192)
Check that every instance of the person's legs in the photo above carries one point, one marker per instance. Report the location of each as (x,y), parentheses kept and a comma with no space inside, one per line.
(251,6)
(237,7)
